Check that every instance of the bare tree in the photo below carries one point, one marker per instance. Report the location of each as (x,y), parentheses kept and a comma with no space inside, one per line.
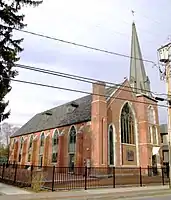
(6,132)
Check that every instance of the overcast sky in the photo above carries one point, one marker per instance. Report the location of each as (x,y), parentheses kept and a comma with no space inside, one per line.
(104,24)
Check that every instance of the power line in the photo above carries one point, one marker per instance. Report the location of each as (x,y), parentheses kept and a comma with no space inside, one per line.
(81,78)
(81,91)
(84,46)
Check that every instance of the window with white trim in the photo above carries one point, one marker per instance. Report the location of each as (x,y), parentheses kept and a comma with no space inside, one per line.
(151,115)
(55,146)
(127,125)
(72,140)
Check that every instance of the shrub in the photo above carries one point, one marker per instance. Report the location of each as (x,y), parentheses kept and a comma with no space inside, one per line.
(38,180)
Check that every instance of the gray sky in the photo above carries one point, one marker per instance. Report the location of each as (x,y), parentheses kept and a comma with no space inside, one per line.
(103,24)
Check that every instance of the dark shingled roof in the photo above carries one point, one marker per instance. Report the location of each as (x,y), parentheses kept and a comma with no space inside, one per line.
(63,115)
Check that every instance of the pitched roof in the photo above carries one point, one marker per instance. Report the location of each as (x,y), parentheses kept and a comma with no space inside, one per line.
(73,112)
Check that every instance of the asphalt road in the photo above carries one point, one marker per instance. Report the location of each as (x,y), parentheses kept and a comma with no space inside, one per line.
(159,197)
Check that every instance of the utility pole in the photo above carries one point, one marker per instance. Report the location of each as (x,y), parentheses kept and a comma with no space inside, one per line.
(164,53)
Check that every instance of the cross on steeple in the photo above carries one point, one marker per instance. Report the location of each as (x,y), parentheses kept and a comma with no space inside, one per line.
(133,13)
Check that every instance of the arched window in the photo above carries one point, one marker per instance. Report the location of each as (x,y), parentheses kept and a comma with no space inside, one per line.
(127,125)
(151,115)
(55,138)
(21,148)
(42,139)
(41,149)
(31,141)
(152,122)
(30,148)
(72,148)
(111,145)
(21,143)
(55,146)
(72,139)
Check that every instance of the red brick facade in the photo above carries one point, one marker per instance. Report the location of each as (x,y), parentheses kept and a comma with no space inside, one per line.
(92,140)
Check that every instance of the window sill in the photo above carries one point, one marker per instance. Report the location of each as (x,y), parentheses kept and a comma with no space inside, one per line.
(129,144)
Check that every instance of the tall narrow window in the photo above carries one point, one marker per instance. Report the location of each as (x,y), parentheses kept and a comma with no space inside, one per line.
(30,148)
(152,124)
(72,139)
(41,149)
(42,139)
(21,144)
(127,125)
(154,132)
(72,148)
(21,148)
(55,146)
(31,141)
(151,115)
(111,145)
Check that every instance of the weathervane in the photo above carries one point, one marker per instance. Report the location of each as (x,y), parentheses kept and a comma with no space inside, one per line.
(133,14)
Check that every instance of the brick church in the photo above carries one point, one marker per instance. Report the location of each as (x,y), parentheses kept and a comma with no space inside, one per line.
(118,127)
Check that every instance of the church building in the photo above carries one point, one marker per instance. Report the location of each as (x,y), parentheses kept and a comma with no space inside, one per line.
(115,126)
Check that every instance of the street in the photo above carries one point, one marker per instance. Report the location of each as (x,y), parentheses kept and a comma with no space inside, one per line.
(157,197)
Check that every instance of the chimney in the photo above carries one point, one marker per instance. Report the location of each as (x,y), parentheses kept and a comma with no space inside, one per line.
(99,91)
(99,148)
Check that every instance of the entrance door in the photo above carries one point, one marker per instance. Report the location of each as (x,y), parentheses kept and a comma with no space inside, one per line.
(154,164)
(71,162)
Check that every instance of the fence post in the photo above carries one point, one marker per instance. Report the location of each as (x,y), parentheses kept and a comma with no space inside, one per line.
(114,183)
(31,174)
(3,169)
(15,173)
(53,177)
(140,177)
(85,181)
(162,175)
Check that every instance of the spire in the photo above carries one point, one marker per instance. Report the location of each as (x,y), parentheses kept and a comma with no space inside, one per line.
(138,78)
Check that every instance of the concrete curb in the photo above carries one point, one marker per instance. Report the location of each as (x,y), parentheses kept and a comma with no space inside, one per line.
(98,193)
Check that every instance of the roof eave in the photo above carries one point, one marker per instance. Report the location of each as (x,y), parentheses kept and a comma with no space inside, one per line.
(69,124)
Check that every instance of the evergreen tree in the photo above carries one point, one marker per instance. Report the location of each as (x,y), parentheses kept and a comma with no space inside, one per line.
(10,18)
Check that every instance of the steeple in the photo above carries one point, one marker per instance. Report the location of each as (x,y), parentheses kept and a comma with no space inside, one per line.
(138,78)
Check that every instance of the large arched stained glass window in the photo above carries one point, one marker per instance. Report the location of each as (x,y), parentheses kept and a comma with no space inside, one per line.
(127,125)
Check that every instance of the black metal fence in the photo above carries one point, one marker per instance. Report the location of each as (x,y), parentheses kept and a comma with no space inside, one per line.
(59,178)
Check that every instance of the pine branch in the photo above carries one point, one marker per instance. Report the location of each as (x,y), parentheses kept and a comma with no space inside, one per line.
(10,47)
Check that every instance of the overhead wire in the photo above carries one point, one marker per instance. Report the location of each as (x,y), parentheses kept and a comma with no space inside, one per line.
(86,46)
(82,78)
(81,45)
(83,92)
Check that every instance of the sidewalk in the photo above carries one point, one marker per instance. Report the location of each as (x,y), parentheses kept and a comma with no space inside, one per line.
(88,194)
(11,190)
